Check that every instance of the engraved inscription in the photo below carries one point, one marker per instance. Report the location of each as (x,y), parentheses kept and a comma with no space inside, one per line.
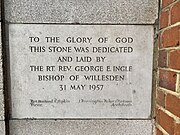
(71,71)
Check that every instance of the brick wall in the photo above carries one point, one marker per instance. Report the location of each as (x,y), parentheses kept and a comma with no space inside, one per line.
(168,89)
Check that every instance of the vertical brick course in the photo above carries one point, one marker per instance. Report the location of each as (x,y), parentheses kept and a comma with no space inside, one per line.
(170,37)
(166,122)
(164,19)
(158,132)
(166,3)
(159,40)
(160,98)
(177,129)
(162,60)
(174,59)
(173,104)
(175,13)
(168,96)
(167,79)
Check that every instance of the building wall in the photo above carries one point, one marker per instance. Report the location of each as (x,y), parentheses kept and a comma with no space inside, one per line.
(114,12)
(2,118)
(168,82)
(168,89)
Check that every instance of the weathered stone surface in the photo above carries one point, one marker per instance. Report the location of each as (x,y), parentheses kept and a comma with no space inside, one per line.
(1,104)
(1,83)
(82,11)
(0,10)
(34,97)
(2,128)
(81,127)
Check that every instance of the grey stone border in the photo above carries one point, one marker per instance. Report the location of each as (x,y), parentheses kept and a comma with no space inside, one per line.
(81,127)
(82,11)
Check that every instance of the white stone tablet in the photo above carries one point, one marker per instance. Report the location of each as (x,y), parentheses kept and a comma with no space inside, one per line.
(81,71)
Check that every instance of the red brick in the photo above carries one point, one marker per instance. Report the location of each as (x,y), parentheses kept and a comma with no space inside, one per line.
(165,121)
(166,3)
(175,13)
(177,129)
(160,98)
(167,79)
(159,40)
(162,60)
(171,37)
(157,114)
(173,104)
(174,59)
(164,19)
(158,132)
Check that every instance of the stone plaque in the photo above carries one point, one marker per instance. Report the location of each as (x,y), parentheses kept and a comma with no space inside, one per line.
(80,71)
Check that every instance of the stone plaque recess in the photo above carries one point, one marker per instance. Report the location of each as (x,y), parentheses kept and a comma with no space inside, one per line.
(81,71)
